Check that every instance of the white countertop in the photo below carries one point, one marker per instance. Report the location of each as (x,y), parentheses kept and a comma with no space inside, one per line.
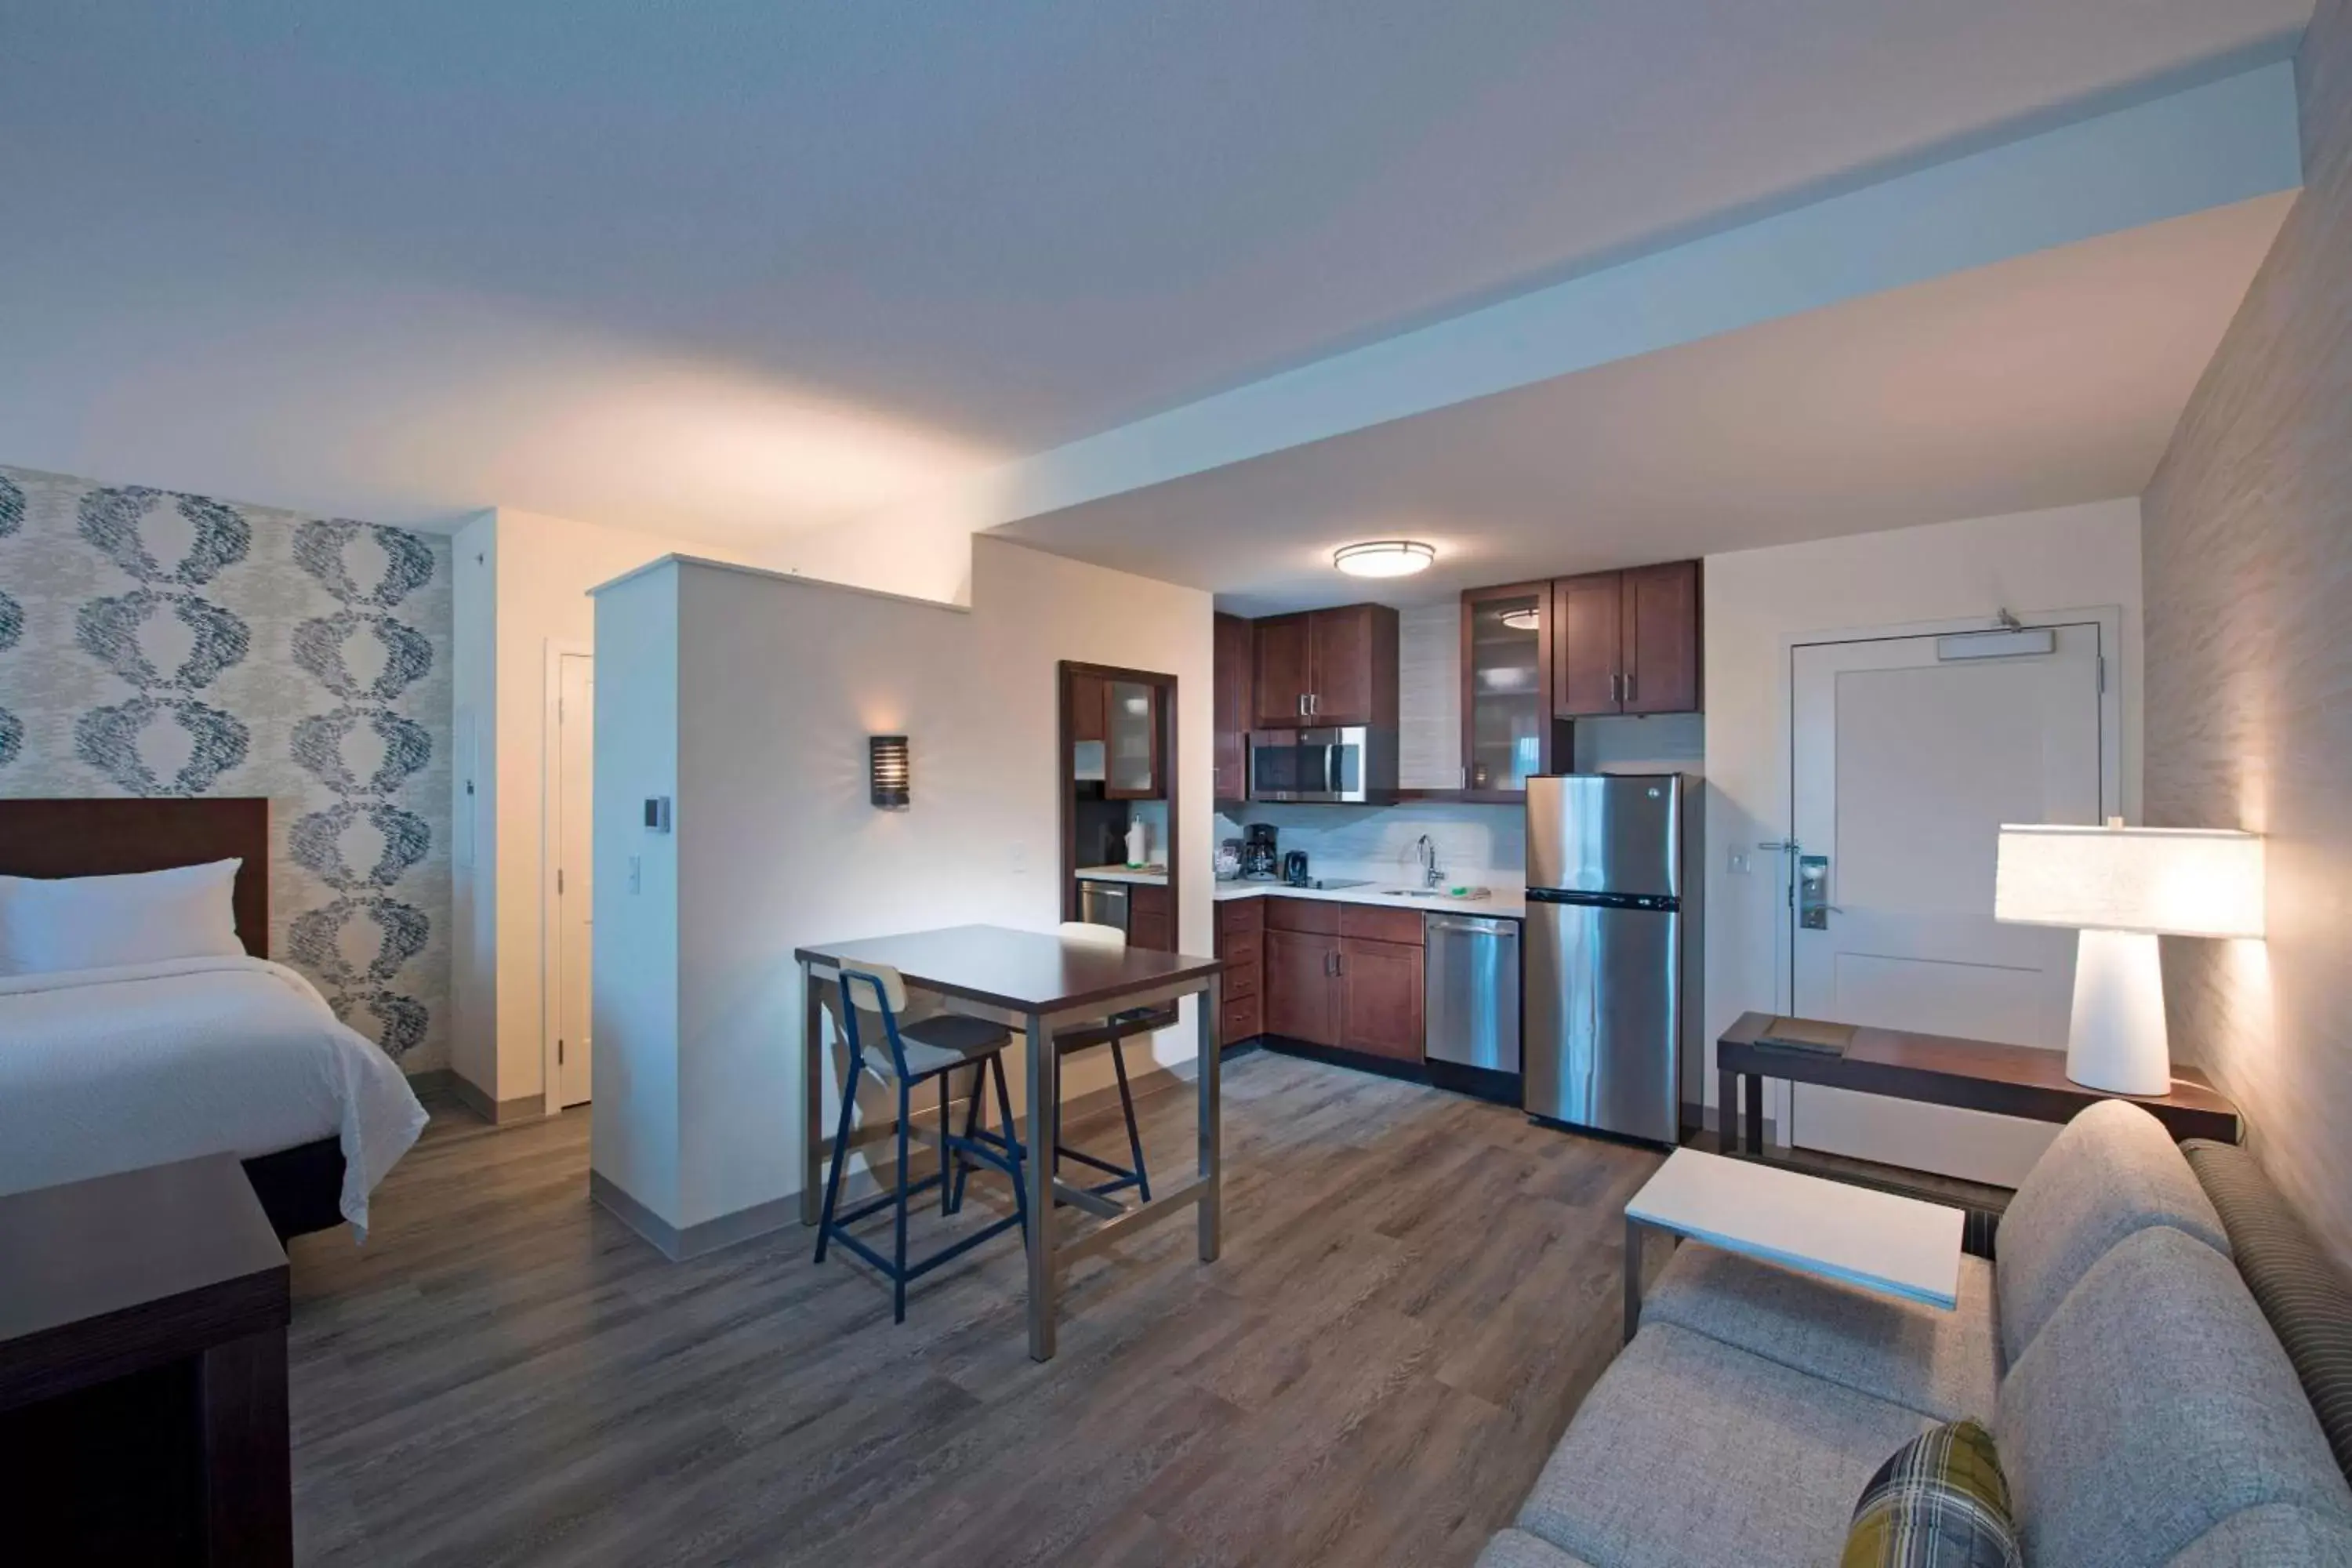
(1140,877)
(1507,901)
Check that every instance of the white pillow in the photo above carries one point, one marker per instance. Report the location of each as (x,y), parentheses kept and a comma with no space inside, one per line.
(48,925)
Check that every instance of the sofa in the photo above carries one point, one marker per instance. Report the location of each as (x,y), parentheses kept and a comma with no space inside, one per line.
(2147,1408)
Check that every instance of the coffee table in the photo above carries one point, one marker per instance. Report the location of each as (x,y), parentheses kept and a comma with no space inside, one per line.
(1859,1235)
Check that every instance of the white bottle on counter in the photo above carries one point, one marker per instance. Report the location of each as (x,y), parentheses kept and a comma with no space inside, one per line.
(1138,842)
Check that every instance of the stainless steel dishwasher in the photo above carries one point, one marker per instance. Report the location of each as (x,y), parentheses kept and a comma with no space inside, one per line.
(1470,992)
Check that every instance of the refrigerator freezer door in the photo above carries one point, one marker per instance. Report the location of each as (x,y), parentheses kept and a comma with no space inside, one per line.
(1603,1018)
(1606,833)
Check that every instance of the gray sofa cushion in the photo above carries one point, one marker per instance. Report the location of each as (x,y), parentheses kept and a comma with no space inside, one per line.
(1690,1453)
(1940,1364)
(2300,1290)
(2155,1404)
(1517,1549)
(2113,1171)
(2276,1535)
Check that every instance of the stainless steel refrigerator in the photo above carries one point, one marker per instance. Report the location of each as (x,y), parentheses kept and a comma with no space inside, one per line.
(1612,952)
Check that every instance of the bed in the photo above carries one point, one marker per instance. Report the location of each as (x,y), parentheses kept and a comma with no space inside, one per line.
(108,1069)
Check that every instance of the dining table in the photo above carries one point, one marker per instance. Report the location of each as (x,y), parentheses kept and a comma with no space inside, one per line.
(1037,985)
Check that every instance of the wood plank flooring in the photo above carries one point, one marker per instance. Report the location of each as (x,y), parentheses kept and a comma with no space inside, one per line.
(1415,1292)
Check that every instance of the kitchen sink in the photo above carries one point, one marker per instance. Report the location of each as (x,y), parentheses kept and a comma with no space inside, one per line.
(1444,895)
(1330,884)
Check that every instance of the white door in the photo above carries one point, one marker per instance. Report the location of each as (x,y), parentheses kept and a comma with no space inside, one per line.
(575,710)
(1907,757)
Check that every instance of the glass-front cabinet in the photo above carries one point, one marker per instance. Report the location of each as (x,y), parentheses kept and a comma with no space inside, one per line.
(1132,742)
(1506,720)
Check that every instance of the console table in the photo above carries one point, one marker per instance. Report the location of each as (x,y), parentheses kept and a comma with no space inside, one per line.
(1941,1070)
(142,1369)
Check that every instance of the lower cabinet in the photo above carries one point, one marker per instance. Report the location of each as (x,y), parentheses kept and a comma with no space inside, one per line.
(1302,987)
(1323,985)
(1240,943)
(1151,919)
(1380,998)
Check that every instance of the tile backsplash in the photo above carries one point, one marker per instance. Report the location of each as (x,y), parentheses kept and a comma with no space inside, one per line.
(1487,843)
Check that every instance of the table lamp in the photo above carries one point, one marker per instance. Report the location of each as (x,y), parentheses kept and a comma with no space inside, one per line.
(2121,887)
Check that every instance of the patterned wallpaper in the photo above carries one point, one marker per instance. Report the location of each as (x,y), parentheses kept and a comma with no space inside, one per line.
(158,644)
(2248,556)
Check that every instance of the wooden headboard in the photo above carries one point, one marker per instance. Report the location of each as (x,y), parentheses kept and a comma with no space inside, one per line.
(107,838)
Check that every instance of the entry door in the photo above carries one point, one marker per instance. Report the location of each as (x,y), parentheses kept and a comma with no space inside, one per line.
(1908,755)
(575,714)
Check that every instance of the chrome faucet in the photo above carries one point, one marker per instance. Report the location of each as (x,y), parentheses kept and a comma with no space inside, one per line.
(1426,848)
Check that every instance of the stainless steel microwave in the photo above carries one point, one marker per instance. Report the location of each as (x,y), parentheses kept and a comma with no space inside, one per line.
(1354,764)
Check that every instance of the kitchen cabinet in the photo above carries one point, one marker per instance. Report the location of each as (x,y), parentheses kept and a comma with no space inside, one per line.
(1130,741)
(1661,638)
(1302,985)
(1089,709)
(1626,642)
(1326,668)
(1380,997)
(1233,685)
(1151,918)
(1240,943)
(1344,976)
(1509,732)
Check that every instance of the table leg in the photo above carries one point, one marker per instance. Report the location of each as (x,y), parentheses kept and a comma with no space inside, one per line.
(247,1463)
(1755,1114)
(1045,1133)
(1211,1138)
(812,1096)
(1726,1113)
(1632,1278)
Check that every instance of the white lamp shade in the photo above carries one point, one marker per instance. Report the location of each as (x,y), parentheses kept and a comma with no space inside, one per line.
(2169,881)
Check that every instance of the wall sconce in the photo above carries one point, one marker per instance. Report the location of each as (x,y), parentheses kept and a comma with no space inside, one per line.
(886,763)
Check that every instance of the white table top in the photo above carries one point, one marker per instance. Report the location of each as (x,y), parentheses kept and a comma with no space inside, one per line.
(1857,1235)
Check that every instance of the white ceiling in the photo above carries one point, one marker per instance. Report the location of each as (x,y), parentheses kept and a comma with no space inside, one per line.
(2042,382)
(744,267)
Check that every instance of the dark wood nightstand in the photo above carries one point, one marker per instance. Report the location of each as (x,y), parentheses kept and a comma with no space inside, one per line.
(142,1369)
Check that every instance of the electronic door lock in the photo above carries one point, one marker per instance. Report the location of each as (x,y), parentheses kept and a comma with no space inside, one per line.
(1813,906)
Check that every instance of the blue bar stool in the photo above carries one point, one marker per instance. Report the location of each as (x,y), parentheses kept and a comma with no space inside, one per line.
(906,1055)
(1111,1032)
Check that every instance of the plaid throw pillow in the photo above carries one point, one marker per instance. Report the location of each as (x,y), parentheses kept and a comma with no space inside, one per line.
(1940,1502)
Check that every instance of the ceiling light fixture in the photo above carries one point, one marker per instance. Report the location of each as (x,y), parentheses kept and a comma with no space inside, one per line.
(1522,620)
(1383,558)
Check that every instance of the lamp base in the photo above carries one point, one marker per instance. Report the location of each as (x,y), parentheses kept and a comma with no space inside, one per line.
(2117,1041)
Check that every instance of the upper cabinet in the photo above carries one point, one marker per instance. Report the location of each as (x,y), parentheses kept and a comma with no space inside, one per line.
(1234,683)
(1131,741)
(1626,642)
(1326,668)
(1507,730)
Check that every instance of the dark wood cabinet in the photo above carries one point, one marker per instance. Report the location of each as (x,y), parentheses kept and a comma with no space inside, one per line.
(1661,638)
(1151,918)
(1283,679)
(1302,985)
(1089,709)
(1234,687)
(1509,731)
(1240,943)
(1327,667)
(1627,642)
(1587,643)
(1132,731)
(1380,997)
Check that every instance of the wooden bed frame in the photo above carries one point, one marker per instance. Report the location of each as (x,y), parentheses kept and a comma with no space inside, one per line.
(301,1187)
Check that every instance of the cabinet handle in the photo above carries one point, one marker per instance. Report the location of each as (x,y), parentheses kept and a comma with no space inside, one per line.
(1314,704)
(1302,705)
(1629,686)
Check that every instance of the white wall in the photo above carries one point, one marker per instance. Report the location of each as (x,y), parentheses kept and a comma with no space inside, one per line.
(780,680)
(1759,602)
(634,1134)
(522,584)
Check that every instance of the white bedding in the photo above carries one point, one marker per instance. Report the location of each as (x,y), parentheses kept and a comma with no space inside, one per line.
(110,1069)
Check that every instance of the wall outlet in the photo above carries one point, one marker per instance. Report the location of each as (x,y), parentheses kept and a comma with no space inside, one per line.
(637,874)
(1740,865)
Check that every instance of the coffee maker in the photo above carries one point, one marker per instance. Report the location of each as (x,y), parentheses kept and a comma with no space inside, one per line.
(1259,856)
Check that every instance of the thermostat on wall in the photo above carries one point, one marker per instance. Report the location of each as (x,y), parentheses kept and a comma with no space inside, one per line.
(657,813)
